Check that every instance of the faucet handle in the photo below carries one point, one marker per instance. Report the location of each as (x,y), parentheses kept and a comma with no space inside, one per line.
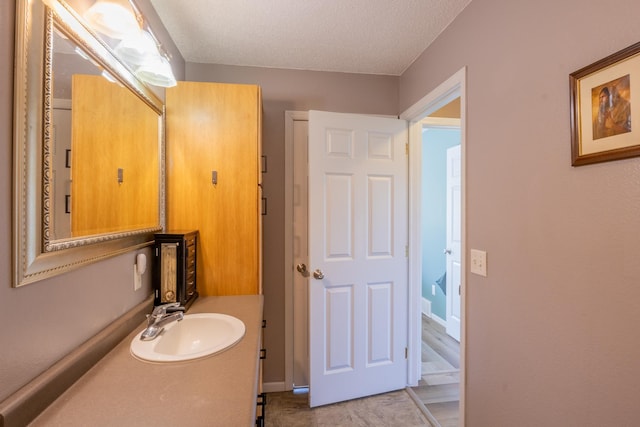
(174,309)
(162,309)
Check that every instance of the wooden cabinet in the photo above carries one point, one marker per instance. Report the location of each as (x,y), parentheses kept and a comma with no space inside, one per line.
(213,140)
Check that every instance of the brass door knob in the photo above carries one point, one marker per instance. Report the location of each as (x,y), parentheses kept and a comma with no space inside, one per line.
(302,269)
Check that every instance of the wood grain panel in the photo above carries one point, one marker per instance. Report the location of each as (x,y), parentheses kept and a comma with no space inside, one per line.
(112,129)
(216,127)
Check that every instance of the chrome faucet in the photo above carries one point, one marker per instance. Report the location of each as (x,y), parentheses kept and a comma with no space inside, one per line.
(159,317)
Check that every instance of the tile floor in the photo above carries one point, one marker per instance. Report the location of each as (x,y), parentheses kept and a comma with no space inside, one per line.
(393,409)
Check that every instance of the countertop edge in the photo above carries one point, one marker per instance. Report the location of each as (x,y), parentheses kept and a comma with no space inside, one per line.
(230,399)
(28,402)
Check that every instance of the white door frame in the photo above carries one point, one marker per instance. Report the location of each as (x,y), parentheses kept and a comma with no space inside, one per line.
(453,87)
(290,118)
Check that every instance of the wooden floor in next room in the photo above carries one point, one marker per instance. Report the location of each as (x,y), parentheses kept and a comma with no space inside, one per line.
(439,387)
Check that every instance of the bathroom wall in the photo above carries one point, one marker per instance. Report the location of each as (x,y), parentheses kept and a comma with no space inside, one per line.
(284,90)
(552,331)
(44,321)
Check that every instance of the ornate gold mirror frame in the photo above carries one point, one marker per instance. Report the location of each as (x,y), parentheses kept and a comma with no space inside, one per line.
(36,256)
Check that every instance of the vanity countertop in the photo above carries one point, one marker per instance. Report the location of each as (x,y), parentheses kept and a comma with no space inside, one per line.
(219,390)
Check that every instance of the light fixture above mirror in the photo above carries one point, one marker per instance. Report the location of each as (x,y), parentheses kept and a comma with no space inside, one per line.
(113,18)
(156,71)
(124,29)
(135,48)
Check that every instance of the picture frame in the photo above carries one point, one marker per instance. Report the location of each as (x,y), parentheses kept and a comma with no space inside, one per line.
(605,109)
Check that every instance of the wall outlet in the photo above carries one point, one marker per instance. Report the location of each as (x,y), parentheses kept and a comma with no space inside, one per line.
(479,262)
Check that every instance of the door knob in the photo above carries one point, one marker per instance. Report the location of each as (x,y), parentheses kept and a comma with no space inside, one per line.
(318,274)
(447,251)
(302,269)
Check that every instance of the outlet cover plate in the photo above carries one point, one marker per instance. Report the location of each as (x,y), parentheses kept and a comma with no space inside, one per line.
(479,262)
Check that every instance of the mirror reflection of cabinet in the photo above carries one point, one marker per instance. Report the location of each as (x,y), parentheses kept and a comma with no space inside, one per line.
(213,139)
(115,159)
(61,168)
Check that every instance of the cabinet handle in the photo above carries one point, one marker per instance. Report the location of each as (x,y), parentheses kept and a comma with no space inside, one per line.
(263,353)
(262,399)
(261,403)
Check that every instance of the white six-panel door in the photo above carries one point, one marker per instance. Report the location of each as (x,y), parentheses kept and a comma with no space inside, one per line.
(357,256)
(454,240)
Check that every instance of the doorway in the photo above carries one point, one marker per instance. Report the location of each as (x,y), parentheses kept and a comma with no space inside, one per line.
(452,88)
(440,217)
(439,386)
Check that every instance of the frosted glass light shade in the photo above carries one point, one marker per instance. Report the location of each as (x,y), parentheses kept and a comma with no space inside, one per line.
(135,49)
(112,18)
(157,71)
(107,75)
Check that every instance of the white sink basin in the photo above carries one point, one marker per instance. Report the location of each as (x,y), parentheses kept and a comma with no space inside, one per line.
(195,336)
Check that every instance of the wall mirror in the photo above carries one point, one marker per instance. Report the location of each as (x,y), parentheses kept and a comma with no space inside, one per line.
(88,147)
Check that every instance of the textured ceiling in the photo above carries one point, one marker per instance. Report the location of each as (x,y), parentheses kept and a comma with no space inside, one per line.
(355,36)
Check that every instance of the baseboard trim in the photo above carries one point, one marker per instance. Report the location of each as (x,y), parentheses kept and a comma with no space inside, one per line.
(422,407)
(426,307)
(274,387)
(439,320)
(426,310)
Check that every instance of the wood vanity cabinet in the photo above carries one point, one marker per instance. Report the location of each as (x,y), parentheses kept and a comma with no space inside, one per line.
(213,166)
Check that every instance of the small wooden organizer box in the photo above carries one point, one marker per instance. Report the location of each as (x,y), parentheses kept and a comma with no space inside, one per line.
(174,267)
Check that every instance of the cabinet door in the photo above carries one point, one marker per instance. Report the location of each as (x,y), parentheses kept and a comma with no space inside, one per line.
(214,129)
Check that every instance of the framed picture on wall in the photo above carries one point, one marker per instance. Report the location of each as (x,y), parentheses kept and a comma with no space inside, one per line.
(605,109)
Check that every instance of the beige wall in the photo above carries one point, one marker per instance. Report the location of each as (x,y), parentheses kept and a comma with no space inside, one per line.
(553,330)
(284,90)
